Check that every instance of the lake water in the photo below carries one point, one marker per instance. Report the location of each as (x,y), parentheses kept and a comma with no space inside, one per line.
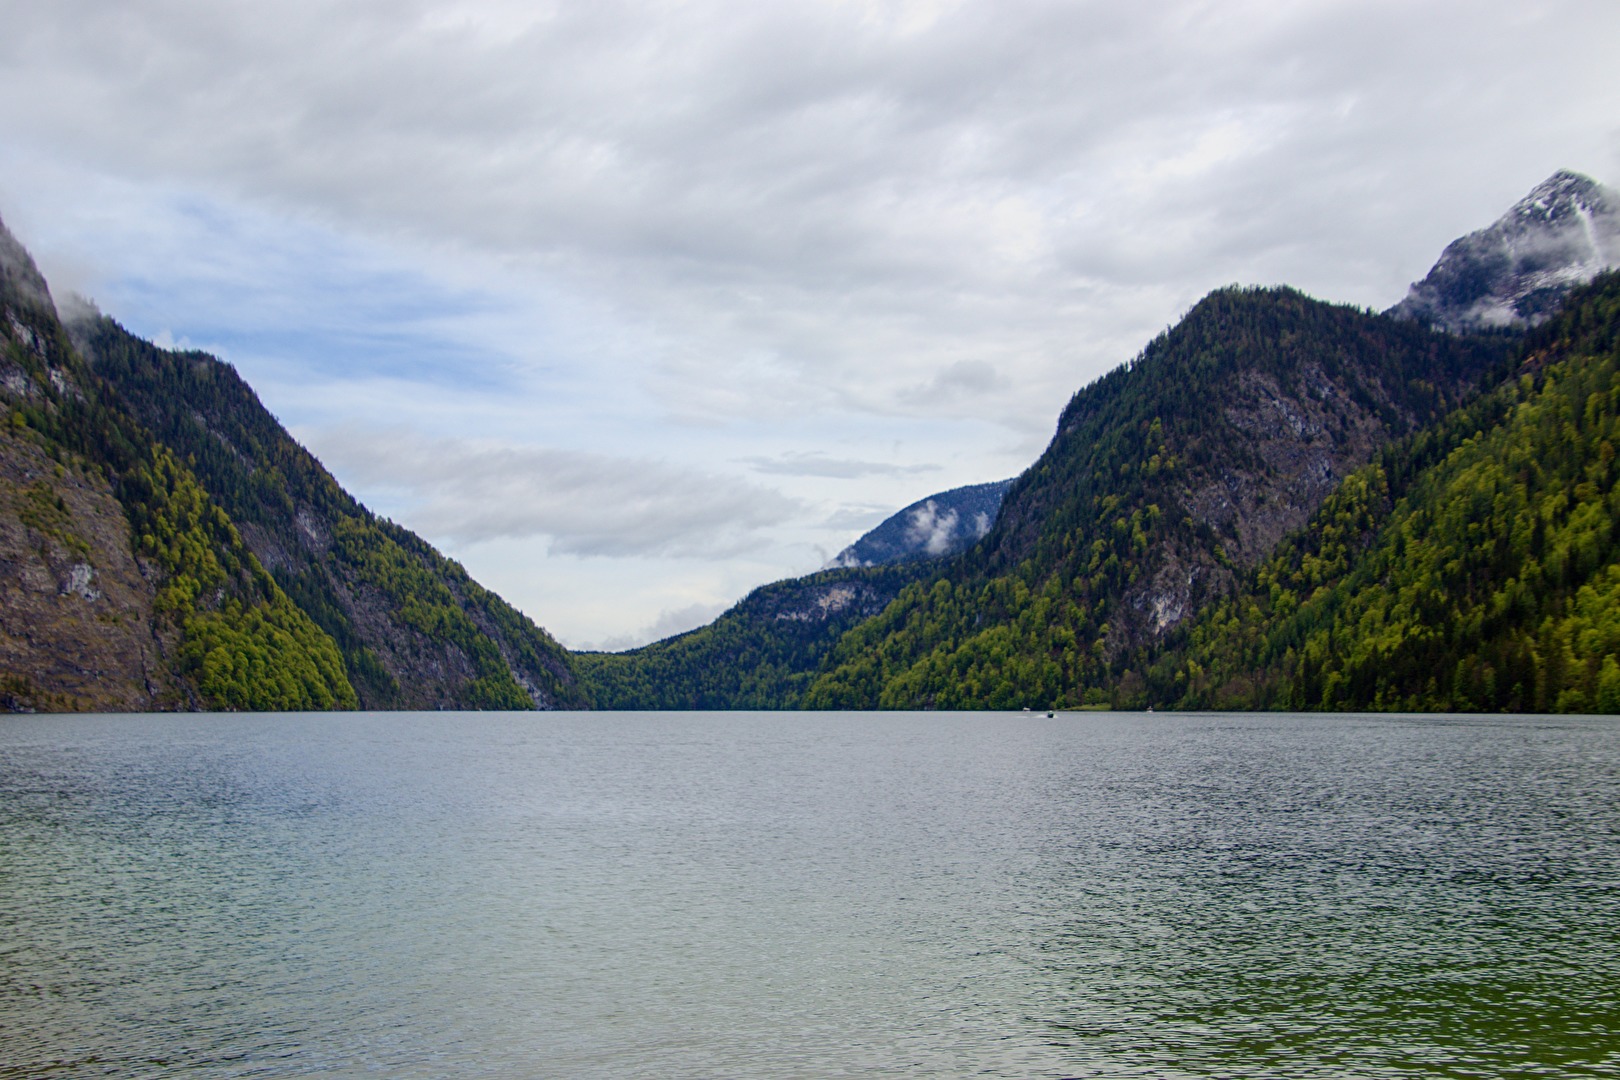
(816,895)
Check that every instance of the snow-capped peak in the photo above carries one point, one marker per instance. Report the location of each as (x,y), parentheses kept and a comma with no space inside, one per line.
(1516,271)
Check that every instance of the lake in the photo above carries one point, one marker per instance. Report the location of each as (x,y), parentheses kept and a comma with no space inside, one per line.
(809,894)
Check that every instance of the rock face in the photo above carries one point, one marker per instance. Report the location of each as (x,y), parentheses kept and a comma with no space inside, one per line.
(77,627)
(1517,271)
(930,528)
(76,612)
(1260,403)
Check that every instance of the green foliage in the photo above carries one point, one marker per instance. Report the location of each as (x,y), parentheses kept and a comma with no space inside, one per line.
(243,642)
(44,511)
(1475,567)
(266,656)
(425,603)
(989,642)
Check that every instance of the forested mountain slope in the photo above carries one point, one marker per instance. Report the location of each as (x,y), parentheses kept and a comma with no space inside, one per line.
(122,584)
(765,651)
(166,544)
(1475,566)
(414,630)
(1166,480)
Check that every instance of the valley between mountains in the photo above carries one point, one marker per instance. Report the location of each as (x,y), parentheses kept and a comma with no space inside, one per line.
(1279,503)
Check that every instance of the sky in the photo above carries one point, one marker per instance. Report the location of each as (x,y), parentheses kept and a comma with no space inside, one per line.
(632,307)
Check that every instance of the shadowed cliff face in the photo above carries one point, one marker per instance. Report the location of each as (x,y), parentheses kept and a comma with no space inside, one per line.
(77,626)
(1516,271)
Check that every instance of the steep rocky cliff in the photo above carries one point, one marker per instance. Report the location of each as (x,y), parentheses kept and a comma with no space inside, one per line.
(78,620)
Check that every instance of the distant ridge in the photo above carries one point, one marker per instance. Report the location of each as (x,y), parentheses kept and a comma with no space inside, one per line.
(930,528)
(1518,270)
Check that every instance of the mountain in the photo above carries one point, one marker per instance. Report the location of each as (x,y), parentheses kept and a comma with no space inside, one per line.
(125,586)
(930,528)
(764,652)
(1280,502)
(1474,566)
(1120,567)
(169,545)
(1516,271)
(1167,479)
(414,630)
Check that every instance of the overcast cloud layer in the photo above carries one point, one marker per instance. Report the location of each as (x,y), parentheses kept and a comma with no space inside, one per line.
(633,306)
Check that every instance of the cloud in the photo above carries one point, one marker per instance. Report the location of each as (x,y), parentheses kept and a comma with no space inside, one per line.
(815,463)
(965,379)
(467,491)
(948,209)
(932,530)
(668,624)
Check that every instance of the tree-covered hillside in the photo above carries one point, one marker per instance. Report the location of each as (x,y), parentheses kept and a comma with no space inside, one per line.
(168,545)
(1167,479)
(127,586)
(414,630)
(1475,566)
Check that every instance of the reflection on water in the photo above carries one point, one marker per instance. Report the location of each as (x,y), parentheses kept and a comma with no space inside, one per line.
(809,895)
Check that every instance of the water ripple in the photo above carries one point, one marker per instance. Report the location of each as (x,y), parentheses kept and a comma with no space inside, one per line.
(809,895)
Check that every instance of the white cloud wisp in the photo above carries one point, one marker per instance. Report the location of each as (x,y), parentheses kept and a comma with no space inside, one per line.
(582,504)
